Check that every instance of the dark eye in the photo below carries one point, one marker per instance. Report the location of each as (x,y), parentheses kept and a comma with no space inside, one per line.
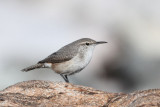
(87,43)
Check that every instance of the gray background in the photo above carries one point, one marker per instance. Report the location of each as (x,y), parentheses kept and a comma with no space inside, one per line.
(30,30)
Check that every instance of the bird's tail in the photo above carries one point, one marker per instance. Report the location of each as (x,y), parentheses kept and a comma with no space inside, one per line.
(39,65)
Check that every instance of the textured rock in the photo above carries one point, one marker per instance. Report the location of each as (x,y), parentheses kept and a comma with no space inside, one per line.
(46,94)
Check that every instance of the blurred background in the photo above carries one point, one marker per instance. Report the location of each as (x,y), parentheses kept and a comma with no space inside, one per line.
(30,30)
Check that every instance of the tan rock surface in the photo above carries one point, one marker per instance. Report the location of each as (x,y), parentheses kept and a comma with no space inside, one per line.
(57,94)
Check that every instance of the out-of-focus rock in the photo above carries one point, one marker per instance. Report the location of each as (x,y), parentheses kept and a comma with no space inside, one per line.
(47,94)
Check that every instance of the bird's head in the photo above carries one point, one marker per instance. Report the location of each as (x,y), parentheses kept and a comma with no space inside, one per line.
(88,44)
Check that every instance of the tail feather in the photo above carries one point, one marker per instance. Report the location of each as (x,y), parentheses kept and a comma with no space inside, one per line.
(39,65)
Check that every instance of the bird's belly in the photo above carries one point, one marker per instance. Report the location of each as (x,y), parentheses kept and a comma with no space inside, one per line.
(72,66)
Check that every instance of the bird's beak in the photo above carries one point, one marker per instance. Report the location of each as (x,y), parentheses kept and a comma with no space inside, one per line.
(100,42)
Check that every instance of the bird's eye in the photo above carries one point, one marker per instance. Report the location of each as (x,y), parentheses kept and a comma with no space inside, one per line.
(87,43)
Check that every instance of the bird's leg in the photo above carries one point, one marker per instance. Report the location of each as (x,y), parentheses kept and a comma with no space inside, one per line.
(65,77)
(67,80)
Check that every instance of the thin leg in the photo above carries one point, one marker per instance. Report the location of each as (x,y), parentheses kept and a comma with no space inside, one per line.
(65,77)
(67,80)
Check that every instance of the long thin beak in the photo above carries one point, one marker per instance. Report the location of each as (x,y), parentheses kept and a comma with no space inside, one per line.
(100,42)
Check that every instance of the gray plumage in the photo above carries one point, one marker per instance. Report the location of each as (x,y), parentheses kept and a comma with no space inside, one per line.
(39,65)
(70,59)
(65,53)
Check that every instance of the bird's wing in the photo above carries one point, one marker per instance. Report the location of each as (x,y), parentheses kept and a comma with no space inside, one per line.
(61,55)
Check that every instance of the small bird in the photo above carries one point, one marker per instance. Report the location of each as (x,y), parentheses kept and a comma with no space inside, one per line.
(70,59)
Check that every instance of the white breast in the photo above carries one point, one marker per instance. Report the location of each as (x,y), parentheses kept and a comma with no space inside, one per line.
(76,64)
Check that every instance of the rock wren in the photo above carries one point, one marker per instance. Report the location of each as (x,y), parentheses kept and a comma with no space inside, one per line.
(70,59)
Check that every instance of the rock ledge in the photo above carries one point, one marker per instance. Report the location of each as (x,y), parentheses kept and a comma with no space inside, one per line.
(47,94)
